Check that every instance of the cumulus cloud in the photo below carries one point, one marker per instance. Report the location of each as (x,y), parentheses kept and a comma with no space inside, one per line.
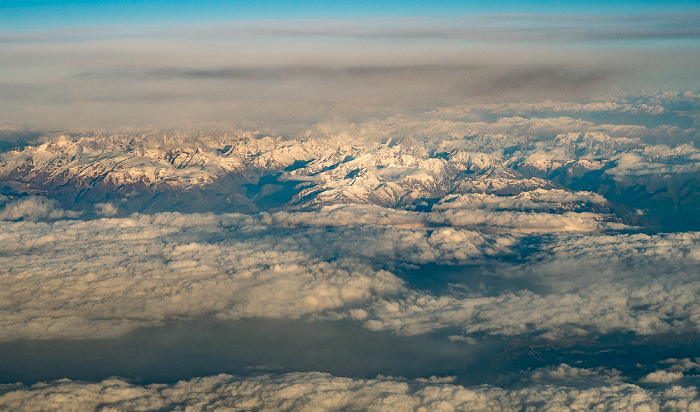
(682,365)
(590,284)
(563,374)
(318,391)
(662,377)
(496,221)
(530,200)
(676,371)
(101,278)
(34,208)
(531,222)
(564,315)
(105,277)
(622,257)
(106,209)
(632,164)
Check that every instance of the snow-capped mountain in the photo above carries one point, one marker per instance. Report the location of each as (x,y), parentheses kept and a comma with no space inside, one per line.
(243,172)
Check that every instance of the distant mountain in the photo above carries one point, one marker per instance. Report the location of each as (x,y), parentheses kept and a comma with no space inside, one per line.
(146,173)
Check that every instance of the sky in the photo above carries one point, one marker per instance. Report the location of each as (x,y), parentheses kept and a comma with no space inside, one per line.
(54,14)
(85,64)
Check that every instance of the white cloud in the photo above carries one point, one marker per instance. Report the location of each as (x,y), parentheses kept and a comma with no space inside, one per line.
(34,208)
(475,219)
(662,377)
(529,200)
(318,391)
(518,313)
(565,374)
(632,164)
(525,222)
(106,209)
(591,284)
(682,365)
(105,277)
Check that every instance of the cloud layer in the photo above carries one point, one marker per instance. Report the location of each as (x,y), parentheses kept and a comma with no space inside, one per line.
(107,276)
(566,388)
(594,284)
(104,277)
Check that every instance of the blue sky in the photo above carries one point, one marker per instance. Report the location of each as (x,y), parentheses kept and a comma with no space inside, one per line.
(43,14)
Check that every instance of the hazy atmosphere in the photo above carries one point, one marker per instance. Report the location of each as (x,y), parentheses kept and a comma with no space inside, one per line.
(405,206)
